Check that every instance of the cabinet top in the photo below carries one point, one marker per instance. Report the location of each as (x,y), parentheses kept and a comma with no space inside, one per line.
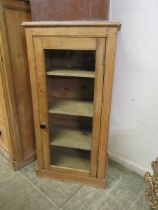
(71,23)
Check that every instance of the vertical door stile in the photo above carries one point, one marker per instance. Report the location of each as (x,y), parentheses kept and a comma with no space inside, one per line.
(106,105)
(42,93)
(35,98)
(99,72)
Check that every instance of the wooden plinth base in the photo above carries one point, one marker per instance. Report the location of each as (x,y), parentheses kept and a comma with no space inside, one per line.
(71,178)
(17,164)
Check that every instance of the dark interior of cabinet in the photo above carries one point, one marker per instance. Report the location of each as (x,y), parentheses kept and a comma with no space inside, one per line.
(70,59)
(70,91)
(70,88)
(70,158)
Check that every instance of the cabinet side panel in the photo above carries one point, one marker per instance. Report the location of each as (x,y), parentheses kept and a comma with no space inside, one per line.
(13,14)
(4,134)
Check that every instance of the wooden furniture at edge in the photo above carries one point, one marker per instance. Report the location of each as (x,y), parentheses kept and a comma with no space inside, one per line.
(71,71)
(17,138)
(69,10)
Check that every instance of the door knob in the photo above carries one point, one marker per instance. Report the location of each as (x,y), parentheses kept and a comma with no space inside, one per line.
(43,125)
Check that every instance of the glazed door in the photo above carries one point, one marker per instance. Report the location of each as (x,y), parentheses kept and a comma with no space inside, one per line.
(70,79)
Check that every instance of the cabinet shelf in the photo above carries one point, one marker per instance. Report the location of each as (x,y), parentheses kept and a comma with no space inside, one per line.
(72,138)
(71,73)
(71,107)
(71,158)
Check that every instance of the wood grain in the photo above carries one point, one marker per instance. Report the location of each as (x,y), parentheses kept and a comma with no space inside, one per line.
(4,124)
(42,99)
(72,178)
(71,107)
(71,23)
(64,102)
(72,138)
(15,81)
(106,105)
(72,88)
(75,31)
(72,171)
(98,94)
(68,43)
(35,97)
(71,73)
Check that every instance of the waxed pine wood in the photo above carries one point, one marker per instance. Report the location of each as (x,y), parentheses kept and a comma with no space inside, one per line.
(71,73)
(71,108)
(17,140)
(71,138)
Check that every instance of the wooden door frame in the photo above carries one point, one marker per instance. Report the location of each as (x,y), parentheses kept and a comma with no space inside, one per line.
(98,95)
(106,105)
(41,43)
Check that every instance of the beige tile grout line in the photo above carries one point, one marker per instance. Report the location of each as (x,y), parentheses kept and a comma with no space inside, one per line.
(49,199)
(132,204)
(37,189)
(33,185)
(70,196)
(40,191)
(74,192)
(108,191)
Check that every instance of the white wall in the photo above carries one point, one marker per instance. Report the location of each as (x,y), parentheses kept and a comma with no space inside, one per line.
(134,117)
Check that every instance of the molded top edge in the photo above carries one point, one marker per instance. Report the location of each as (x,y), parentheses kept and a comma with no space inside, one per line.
(71,23)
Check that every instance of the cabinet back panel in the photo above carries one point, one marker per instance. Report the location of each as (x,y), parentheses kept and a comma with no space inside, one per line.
(70,158)
(70,121)
(79,59)
(70,88)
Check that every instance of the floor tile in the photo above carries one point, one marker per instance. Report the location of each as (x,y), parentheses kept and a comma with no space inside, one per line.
(58,191)
(120,193)
(17,194)
(23,190)
(140,203)
(114,174)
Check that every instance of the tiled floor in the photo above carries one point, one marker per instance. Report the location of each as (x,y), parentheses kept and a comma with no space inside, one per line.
(22,190)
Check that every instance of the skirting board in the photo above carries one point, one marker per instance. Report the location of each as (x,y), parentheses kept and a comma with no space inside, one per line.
(129,164)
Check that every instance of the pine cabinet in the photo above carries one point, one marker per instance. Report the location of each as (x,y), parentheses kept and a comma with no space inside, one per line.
(17,138)
(71,70)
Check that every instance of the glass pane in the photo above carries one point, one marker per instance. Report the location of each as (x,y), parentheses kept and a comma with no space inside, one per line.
(70,59)
(70,90)
(71,158)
